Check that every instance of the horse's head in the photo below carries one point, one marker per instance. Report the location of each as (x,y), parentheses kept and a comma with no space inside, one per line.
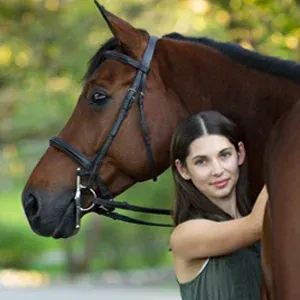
(116,161)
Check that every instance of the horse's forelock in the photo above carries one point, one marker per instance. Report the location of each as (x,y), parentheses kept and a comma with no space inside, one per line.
(98,58)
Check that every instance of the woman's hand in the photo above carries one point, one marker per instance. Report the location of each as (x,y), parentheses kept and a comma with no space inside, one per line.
(258,211)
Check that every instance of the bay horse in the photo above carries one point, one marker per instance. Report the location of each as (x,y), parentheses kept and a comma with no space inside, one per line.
(137,89)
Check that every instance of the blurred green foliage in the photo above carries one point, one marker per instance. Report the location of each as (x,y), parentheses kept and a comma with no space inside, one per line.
(44,49)
(18,247)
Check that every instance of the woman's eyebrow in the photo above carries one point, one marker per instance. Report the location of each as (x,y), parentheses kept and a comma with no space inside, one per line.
(198,156)
(225,149)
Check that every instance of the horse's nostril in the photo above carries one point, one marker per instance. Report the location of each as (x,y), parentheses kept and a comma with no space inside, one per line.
(31,206)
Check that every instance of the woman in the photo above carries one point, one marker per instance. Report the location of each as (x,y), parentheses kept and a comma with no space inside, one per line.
(215,242)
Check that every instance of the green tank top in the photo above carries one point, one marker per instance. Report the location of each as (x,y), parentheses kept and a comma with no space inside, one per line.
(235,276)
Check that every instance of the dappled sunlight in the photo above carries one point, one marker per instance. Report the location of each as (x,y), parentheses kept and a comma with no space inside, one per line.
(276,38)
(199,24)
(199,6)
(5,55)
(57,84)
(52,5)
(223,17)
(94,37)
(22,59)
(291,42)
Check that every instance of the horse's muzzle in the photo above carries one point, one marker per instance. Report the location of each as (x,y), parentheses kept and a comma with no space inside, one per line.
(48,220)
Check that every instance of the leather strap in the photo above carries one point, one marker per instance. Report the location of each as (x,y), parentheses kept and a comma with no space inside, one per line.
(70,151)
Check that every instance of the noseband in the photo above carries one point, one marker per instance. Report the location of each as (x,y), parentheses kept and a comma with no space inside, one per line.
(105,204)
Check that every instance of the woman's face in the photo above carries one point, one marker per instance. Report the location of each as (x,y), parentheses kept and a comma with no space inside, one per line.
(213,165)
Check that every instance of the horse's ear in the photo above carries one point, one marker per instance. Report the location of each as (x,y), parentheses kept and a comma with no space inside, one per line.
(130,38)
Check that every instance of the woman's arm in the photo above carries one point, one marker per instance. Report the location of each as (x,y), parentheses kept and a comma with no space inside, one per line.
(203,238)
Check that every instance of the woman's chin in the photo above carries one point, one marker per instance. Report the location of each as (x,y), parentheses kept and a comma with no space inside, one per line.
(222,193)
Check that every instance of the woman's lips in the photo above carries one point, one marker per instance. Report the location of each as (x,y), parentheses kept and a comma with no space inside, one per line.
(220,183)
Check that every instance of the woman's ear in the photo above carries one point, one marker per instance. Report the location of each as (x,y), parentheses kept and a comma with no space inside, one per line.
(182,170)
(241,153)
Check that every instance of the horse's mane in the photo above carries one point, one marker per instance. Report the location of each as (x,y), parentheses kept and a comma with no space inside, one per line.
(264,63)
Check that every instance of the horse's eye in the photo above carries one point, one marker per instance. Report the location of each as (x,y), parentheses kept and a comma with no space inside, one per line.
(98,98)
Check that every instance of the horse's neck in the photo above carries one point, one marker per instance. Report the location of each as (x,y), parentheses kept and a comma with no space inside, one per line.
(204,78)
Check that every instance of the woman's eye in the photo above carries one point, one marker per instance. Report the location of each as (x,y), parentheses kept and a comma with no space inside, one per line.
(200,162)
(225,154)
(98,98)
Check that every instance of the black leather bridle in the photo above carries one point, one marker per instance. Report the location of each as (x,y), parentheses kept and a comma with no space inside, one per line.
(105,203)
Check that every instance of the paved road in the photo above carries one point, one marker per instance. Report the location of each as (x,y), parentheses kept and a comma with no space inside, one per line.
(78,293)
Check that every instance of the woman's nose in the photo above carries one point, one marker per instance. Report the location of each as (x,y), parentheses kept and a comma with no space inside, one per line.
(217,169)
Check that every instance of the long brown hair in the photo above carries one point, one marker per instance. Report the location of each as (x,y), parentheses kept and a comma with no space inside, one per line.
(190,203)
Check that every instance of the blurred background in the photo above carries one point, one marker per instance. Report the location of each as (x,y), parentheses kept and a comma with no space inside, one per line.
(44,50)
